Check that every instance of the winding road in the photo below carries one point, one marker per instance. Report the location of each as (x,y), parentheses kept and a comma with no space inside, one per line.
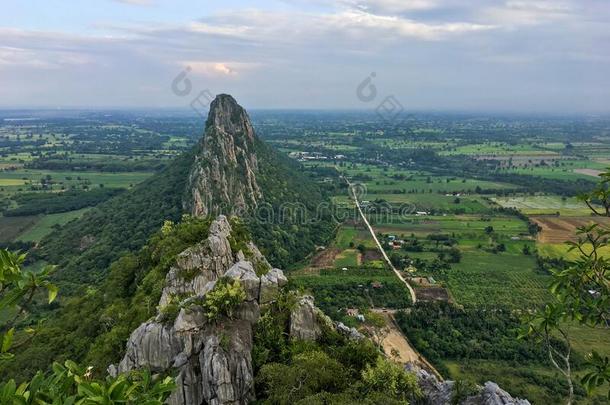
(372,231)
(395,339)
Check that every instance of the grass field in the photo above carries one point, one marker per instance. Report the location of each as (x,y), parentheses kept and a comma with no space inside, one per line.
(565,171)
(383,180)
(12,182)
(561,250)
(499,149)
(544,204)
(464,226)
(349,237)
(24,177)
(347,258)
(45,224)
(11,227)
(434,202)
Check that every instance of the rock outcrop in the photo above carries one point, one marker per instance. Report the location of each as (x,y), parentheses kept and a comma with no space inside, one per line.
(222,179)
(212,360)
(441,392)
(350,333)
(304,320)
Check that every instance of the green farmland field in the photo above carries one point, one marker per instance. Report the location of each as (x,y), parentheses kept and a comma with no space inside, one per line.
(544,204)
(45,224)
(505,279)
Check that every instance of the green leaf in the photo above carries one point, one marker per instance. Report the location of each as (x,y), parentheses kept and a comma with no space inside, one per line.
(6,356)
(53,290)
(7,340)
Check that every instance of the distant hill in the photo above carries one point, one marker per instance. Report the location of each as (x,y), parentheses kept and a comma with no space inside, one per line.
(230,171)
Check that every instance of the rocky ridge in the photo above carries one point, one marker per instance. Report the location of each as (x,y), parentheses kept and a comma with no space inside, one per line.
(212,359)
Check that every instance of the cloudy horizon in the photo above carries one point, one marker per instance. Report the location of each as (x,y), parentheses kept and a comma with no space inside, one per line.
(459,55)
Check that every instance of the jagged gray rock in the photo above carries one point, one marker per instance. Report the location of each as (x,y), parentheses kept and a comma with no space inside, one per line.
(213,360)
(435,392)
(214,254)
(270,285)
(303,320)
(350,333)
(152,345)
(223,176)
(441,392)
(492,394)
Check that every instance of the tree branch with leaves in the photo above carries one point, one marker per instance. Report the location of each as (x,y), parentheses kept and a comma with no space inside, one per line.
(581,294)
(67,383)
(18,289)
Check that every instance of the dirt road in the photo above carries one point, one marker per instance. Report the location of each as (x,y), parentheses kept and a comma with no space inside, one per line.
(384,254)
(395,340)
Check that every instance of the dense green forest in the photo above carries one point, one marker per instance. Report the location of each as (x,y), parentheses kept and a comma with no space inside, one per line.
(93,327)
(84,249)
(51,203)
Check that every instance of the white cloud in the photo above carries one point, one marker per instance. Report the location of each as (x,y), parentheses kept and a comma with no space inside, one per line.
(219,69)
(13,57)
(438,52)
(347,24)
(362,23)
(390,6)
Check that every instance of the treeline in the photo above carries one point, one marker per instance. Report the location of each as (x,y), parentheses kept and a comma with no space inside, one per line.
(428,160)
(84,249)
(486,341)
(335,294)
(98,166)
(444,331)
(52,203)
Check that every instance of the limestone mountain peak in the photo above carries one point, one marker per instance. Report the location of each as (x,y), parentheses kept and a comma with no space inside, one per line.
(222,179)
(229,118)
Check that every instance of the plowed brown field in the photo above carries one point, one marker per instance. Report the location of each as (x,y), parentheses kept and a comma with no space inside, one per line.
(561,229)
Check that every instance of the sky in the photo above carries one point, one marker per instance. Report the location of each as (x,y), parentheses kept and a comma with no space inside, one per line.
(550,56)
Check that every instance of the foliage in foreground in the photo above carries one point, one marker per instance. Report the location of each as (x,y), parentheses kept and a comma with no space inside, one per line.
(17,291)
(93,327)
(581,294)
(68,384)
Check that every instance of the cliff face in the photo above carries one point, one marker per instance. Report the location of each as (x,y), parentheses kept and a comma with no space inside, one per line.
(212,359)
(223,176)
